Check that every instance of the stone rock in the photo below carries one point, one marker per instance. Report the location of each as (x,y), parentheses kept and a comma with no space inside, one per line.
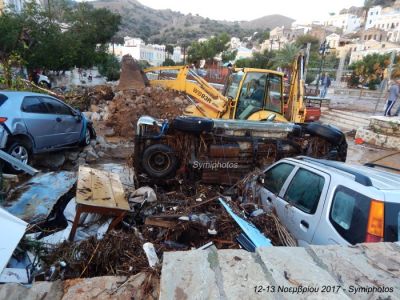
(101,140)
(81,161)
(91,156)
(53,160)
(82,155)
(101,154)
(95,116)
(94,108)
(72,156)
(109,132)
(93,143)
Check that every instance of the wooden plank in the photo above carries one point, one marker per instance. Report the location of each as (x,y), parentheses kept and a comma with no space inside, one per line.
(100,188)
(159,222)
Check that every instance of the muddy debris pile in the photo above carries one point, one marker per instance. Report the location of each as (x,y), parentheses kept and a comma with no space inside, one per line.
(122,113)
(82,97)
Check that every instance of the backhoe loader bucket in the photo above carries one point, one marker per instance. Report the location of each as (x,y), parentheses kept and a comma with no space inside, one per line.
(131,76)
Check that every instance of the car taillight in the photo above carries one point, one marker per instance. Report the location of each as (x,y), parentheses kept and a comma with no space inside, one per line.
(2,119)
(376,221)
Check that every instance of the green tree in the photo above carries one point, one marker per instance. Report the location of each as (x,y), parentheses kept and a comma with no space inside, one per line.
(168,62)
(371,67)
(228,55)
(303,40)
(209,49)
(284,57)
(262,60)
(13,38)
(109,66)
(169,50)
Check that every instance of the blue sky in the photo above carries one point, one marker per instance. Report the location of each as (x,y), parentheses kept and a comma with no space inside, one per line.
(301,10)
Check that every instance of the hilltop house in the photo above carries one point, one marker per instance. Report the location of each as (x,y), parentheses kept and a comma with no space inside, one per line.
(153,53)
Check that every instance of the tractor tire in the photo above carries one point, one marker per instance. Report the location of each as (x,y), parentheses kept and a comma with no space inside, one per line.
(342,151)
(195,125)
(159,161)
(327,132)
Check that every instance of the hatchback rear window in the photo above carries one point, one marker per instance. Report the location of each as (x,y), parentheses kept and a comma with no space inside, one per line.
(392,222)
(349,214)
(3,99)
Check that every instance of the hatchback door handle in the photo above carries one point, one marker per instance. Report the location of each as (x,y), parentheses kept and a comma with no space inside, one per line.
(304,223)
(58,119)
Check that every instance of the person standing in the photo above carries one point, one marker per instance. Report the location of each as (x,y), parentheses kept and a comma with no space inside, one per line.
(394,93)
(325,84)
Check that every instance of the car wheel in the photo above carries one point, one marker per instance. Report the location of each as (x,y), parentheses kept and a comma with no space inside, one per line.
(87,138)
(159,161)
(21,151)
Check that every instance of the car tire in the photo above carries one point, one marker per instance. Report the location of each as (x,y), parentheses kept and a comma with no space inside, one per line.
(193,124)
(159,161)
(88,136)
(342,151)
(327,132)
(21,150)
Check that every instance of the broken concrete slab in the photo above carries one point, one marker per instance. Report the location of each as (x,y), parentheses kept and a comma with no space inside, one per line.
(291,267)
(240,273)
(39,290)
(110,287)
(368,265)
(189,275)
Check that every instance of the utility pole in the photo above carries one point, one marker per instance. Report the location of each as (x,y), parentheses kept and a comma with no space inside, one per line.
(322,51)
(307,60)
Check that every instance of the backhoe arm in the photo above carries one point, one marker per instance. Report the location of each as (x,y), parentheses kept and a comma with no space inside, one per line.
(211,102)
(296,111)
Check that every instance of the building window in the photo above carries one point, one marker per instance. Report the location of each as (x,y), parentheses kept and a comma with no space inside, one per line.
(383,45)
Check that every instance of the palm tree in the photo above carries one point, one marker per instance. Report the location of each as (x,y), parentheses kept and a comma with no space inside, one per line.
(284,57)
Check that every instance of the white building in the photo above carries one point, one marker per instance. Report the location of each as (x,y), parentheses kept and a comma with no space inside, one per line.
(363,49)
(333,40)
(17,5)
(347,22)
(244,52)
(153,53)
(389,21)
(235,43)
(373,16)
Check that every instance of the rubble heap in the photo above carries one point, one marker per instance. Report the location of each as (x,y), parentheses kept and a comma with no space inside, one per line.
(127,106)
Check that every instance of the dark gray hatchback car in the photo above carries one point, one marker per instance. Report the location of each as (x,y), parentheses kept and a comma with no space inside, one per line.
(33,123)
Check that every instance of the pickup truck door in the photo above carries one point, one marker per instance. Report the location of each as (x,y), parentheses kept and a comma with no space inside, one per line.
(305,199)
(275,180)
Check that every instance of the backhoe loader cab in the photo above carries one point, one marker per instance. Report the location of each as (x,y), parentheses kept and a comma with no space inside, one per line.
(255,94)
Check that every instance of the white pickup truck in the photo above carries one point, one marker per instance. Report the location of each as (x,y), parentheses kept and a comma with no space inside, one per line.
(329,202)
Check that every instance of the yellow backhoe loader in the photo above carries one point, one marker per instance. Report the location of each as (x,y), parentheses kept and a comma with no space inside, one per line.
(250,94)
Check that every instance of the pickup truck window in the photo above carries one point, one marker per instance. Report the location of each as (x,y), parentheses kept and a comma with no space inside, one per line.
(305,190)
(349,214)
(276,177)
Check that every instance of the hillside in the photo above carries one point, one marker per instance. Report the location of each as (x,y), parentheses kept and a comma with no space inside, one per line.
(167,26)
(270,21)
